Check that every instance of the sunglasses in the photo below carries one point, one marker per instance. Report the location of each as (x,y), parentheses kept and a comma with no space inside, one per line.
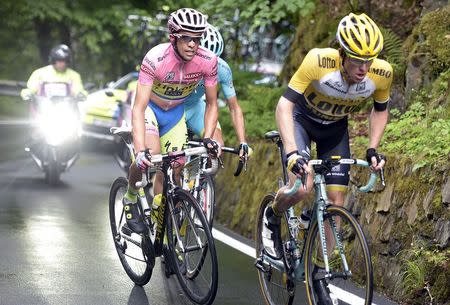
(187,38)
(359,61)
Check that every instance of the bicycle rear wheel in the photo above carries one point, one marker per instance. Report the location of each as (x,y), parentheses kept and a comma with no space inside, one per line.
(192,247)
(358,279)
(136,251)
(273,282)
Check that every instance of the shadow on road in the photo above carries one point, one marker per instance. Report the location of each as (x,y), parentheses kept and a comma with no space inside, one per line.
(138,296)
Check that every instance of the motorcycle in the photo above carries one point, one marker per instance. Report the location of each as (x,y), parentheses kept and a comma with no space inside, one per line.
(56,130)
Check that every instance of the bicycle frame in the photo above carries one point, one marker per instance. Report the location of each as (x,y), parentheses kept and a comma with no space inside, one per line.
(296,269)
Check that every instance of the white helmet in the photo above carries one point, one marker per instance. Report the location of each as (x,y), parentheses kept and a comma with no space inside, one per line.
(187,19)
(212,40)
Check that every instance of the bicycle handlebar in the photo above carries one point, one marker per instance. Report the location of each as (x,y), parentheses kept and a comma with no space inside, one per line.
(171,155)
(227,150)
(365,189)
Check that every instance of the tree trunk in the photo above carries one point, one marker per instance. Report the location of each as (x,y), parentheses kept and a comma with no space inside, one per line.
(43,32)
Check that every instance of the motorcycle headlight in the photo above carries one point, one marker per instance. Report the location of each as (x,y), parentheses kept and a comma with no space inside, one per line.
(58,122)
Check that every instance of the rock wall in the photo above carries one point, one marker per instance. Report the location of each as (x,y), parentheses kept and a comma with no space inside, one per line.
(408,221)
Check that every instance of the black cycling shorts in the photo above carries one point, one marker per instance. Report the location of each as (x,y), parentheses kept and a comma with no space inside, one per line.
(331,140)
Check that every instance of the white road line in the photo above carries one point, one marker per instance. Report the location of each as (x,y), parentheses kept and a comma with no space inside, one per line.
(236,244)
(15,122)
(250,251)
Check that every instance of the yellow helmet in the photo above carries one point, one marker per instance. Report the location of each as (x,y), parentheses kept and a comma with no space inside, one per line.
(359,36)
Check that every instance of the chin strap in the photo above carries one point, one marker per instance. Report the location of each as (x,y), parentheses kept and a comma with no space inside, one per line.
(343,71)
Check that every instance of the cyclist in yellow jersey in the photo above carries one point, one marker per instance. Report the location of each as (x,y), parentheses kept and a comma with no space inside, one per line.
(58,71)
(329,85)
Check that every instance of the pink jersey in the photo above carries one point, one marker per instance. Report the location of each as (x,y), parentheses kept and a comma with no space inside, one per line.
(172,78)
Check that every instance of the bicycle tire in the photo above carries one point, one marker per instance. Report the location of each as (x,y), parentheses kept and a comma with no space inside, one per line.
(140,273)
(207,206)
(189,216)
(207,197)
(356,253)
(275,291)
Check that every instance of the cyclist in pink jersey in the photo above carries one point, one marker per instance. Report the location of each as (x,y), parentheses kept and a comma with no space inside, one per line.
(169,73)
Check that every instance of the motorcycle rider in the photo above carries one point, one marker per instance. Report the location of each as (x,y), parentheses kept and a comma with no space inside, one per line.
(56,72)
(54,79)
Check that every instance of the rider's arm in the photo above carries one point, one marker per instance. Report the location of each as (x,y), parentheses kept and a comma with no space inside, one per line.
(379,116)
(237,117)
(227,87)
(138,115)
(305,74)
(285,123)
(377,124)
(77,84)
(143,92)
(32,85)
(211,111)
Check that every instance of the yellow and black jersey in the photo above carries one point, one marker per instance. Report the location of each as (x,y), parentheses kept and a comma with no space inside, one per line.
(321,91)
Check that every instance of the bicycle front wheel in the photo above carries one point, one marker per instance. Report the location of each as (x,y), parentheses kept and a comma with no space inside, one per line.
(207,197)
(348,258)
(192,247)
(274,282)
(135,252)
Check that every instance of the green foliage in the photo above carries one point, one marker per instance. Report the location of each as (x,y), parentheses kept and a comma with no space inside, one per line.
(259,12)
(258,105)
(419,263)
(435,28)
(419,135)
(393,52)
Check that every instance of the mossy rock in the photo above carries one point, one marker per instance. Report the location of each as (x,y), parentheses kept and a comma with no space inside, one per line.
(435,27)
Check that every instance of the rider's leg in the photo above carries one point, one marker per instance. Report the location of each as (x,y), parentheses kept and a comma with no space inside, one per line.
(175,138)
(195,117)
(337,180)
(134,219)
(272,215)
(218,135)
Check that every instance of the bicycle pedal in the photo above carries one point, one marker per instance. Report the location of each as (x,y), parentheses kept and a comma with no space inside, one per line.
(127,231)
(259,264)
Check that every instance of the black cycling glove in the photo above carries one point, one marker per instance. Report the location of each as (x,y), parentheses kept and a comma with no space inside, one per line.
(295,162)
(372,152)
(212,146)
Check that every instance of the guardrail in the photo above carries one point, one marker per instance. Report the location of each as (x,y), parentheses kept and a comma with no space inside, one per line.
(11,87)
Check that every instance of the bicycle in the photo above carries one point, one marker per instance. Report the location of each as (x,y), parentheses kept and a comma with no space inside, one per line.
(198,173)
(343,253)
(179,218)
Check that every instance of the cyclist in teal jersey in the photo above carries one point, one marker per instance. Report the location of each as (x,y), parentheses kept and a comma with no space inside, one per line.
(195,103)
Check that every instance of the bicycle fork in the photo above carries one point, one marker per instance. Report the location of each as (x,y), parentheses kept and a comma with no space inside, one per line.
(320,212)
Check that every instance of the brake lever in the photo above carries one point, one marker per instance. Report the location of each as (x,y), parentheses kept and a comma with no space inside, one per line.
(304,178)
(383,182)
(220,162)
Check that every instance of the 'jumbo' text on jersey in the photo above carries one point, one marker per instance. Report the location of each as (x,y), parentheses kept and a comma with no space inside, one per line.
(174,79)
(327,97)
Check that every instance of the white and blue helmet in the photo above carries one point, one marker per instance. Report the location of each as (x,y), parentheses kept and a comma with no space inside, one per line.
(212,40)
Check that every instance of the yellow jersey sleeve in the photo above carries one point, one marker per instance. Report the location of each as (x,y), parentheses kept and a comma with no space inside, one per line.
(306,73)
(382,74)
(77,84)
